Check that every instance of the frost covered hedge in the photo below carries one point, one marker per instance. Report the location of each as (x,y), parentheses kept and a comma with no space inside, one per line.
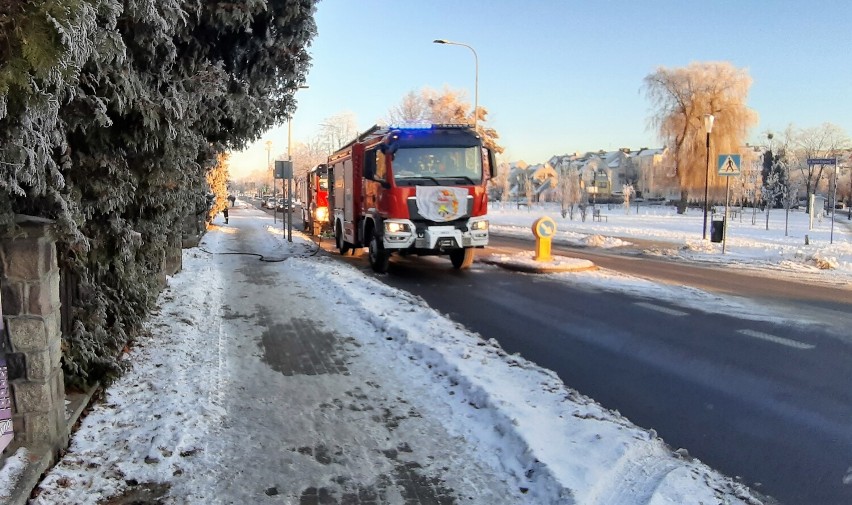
(114,115)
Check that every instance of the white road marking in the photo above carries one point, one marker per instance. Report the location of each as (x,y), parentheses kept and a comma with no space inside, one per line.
(664,310)
(778,340)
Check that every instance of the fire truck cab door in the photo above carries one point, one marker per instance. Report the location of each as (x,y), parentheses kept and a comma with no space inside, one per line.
(349,210)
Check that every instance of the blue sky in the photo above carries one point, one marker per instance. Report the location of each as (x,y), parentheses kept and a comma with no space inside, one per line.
(566,76)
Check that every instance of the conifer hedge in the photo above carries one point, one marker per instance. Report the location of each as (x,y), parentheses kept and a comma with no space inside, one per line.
(114,114)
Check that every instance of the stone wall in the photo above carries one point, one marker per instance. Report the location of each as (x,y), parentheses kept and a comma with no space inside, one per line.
(29,286)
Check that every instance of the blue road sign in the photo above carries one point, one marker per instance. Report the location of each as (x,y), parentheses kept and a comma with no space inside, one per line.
(729,164)
(822,161)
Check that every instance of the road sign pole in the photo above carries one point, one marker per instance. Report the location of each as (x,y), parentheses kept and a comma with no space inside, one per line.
(725,222)
(290,208)
(811,202)
(834,201)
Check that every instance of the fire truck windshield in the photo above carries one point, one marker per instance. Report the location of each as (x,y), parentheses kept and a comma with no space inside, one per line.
(323,183)
(442,165)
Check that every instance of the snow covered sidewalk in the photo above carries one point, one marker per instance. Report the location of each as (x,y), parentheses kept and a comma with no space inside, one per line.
(304,381)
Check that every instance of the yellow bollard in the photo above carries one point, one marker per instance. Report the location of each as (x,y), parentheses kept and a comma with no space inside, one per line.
(544,229)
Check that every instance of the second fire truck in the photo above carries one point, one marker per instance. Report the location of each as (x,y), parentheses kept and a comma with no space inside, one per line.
(315,214)
(416,189)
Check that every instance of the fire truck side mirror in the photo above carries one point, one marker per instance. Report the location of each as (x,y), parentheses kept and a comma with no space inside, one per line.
(492,162)
(388,149)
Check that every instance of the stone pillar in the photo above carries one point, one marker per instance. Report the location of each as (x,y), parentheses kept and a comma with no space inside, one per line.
(194,227)
(174,254)
(29,279)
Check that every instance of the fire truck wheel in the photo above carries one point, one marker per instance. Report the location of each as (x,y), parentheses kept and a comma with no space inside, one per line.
(342,246)
(462,258)
(379,257)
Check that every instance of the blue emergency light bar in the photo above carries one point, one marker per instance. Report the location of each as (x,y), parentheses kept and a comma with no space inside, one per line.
(426,126)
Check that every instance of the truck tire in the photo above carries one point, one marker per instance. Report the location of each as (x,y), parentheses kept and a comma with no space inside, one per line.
(462,258)
(342,246)
(378,256)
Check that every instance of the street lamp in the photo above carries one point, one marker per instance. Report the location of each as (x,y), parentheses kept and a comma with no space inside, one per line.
(269,168)
(289,200)
(268,162)
(476,81)
(708,127)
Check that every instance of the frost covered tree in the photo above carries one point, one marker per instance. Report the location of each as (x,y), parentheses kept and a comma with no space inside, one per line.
(217,181)
(307,155)
(627,191)
(772,191)
(570,193)
(338,130)
(113,122)
(825,141)
(681,97)
(748,184)
(529,190)
(413,108)
(499,186)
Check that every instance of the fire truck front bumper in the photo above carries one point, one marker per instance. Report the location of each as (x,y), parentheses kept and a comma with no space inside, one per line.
(402,234)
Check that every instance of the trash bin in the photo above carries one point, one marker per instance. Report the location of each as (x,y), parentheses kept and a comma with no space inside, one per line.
(717,229)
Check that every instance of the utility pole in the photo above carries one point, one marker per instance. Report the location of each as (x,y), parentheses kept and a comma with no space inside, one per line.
(269,168)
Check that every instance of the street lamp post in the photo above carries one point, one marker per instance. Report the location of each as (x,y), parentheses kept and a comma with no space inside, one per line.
(289,215)
(476,76)
(289,198)
(708,127)
(269,167)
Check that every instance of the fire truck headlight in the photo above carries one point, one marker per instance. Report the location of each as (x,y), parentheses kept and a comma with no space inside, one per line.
(321,214)
(391,227)
(479,225)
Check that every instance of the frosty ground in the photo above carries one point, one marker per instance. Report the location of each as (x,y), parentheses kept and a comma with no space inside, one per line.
(201,417)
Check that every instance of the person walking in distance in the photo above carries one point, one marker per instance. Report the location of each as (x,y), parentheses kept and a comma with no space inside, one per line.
(225,214)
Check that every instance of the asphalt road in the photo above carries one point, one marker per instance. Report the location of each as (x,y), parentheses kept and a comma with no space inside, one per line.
(769,403)
(765,402)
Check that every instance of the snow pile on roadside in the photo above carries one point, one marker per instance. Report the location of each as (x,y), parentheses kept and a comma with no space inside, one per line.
(603,242)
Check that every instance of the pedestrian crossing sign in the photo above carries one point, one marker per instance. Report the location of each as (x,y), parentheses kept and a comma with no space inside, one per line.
(729,164)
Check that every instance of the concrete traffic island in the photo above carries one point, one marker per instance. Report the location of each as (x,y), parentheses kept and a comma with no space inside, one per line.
(540,260)
(524,262)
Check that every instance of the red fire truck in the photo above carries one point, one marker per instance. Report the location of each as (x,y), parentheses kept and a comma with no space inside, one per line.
(416,189)
(315,200)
